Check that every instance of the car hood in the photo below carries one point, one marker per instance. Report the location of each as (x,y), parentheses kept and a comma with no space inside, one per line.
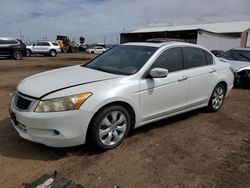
(237,65)
(55,80)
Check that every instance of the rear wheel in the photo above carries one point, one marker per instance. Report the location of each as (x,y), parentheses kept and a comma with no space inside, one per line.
(52,53)
(109,127)
(65,49)
(73,49)
(217,98)
(17,55)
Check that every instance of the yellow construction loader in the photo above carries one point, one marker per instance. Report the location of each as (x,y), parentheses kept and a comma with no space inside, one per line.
(66,45)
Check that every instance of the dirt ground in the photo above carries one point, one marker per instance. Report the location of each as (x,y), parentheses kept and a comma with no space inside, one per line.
(196,149)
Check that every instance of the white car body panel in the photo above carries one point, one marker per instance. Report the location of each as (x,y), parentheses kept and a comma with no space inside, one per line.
(151,99)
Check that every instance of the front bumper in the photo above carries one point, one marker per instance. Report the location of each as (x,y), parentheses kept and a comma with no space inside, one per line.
(56,129)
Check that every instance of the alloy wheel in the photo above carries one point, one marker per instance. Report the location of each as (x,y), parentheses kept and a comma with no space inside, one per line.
(218,97)
(113,128)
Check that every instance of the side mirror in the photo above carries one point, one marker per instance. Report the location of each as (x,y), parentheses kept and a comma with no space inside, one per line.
(158,73)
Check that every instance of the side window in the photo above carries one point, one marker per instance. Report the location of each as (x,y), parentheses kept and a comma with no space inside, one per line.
(171,59)
(13,42)
(46,44)
(4,42)
(195,57)
(38,44)
(43,44)
(209,58)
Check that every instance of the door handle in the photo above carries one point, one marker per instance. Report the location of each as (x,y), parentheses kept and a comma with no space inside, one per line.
(182,78)
(212,70)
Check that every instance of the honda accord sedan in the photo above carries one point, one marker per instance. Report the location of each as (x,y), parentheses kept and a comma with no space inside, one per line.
(130,85)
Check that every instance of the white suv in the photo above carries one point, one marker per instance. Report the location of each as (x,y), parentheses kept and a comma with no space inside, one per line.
(43,47)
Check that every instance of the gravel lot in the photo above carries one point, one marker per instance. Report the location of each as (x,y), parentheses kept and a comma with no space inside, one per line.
(196,149)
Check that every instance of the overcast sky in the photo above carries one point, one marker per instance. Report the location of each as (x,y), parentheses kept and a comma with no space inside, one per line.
(97,20)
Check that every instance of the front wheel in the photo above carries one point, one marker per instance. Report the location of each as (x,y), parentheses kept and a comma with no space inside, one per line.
(28,53)
(17,55)
(109,127)
(217,98)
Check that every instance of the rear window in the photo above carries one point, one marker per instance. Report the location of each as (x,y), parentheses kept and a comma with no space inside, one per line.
(54,43)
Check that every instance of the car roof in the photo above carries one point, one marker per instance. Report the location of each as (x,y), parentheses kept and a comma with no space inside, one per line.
(246,49)
(44,41)
(158,45)
(7,38)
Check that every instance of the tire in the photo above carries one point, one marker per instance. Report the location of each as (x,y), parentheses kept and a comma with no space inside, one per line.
(52,53)
(73,49)
(17,55)
(65,49)
(217,98)
(28,53)
(92,52)
(109,128)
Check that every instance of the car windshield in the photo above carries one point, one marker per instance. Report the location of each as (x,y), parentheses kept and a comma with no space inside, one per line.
(238,55)
(123,59)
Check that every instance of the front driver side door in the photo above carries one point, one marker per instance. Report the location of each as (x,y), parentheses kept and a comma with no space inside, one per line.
(164,96)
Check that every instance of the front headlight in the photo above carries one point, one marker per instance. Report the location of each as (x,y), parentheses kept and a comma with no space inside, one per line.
(72,102)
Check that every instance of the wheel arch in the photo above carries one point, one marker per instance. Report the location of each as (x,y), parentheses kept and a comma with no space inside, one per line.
(124,104)
(224,83)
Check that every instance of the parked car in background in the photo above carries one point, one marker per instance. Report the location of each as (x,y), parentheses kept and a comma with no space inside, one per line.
(96,50)
(128,86)
(12,48)
(218,53)
(239,59)
(43,47)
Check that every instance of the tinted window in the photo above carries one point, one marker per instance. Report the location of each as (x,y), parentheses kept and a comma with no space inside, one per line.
(209,58)
(238,55)
(54,43)
(4,41)
(123,59)
(195,57)
(43,44)
(171,59)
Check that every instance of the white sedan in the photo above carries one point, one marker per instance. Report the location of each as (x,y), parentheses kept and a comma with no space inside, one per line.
(128,86)
(96,50)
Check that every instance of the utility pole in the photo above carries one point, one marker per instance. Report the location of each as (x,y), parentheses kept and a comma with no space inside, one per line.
(21,34)
(172,21)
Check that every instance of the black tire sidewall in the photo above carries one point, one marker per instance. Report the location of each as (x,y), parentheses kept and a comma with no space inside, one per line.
(28,53)
(210,104)
(15,53)
(93,134)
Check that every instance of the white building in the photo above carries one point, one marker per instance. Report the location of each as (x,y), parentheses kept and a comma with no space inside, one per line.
(214,36)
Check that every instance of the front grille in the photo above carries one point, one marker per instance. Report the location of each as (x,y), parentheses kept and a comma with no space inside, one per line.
(22,103)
